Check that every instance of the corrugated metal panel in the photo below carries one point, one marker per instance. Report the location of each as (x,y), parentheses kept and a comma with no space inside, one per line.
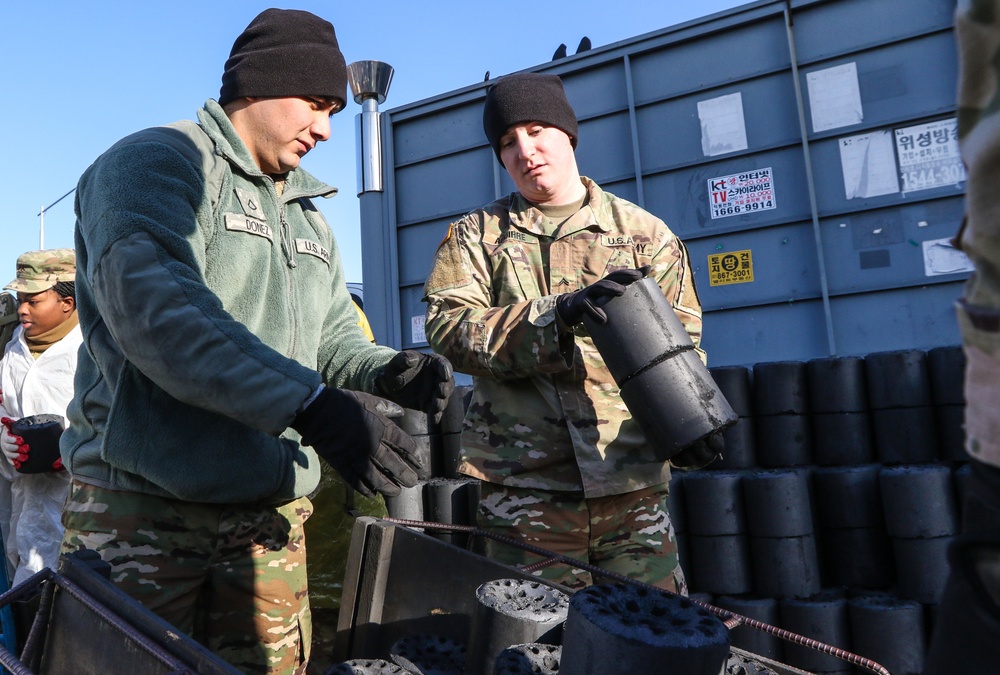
(680,197)
(850,254)
(828,29)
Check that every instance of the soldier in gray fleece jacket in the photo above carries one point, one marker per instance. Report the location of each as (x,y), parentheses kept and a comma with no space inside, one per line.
(222,355)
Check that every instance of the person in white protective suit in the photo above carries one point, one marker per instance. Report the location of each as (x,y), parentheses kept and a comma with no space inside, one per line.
(36,385)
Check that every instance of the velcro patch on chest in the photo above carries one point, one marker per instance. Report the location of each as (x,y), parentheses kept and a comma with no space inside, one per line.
(512,236)
(236,222)
(616,240)
(251,207)
(308,247)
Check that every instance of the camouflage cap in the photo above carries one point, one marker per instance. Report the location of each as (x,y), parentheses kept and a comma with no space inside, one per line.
(39,271)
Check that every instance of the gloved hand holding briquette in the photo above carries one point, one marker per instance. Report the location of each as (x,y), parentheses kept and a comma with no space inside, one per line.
(352,431)
(31,444)
(417,381)
(571,307)
(11,445)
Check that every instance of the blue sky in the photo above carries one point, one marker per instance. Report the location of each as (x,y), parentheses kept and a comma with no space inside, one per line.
(80,75)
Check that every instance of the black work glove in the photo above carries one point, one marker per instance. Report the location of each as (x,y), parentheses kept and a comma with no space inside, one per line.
(417,381)
(37,443)
(700,454)
(571,307)
(350,430)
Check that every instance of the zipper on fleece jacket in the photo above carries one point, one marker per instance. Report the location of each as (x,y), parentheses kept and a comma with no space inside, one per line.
(286,239)
(286,244)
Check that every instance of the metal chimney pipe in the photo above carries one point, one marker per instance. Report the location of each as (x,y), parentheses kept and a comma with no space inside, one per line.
(370,82)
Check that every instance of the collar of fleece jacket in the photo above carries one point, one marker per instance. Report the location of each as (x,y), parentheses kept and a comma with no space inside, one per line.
(298,182)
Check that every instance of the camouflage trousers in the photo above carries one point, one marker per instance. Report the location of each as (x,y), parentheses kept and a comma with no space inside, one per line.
(233,577)
(328,531)
(630,534)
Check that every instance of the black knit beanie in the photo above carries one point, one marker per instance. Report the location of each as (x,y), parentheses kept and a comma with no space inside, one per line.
(285,52)
(527,97)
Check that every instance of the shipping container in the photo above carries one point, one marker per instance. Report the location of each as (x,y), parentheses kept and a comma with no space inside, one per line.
(805,151)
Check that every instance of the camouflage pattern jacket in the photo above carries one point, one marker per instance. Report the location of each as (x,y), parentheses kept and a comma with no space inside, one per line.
(545,411)
(977,29)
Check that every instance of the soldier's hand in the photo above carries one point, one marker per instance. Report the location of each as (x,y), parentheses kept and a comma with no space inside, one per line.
(571,307)
(351,431)
(417,381)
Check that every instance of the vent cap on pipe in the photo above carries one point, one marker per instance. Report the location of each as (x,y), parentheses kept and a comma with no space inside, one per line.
(369,79)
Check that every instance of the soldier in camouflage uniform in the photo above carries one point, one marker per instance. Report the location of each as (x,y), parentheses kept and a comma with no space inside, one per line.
(222,357)
(36,378)
(967,629)
(564,465)
(978,29)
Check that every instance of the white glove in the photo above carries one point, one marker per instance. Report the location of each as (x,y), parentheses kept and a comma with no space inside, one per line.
(11,449)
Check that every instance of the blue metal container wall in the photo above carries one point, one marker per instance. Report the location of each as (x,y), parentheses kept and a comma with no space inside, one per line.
(829,271)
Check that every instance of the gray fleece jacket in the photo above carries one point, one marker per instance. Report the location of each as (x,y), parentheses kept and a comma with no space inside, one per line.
(211,309)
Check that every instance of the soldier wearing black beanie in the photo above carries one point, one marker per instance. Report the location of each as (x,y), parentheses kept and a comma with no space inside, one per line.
(507,295)
(527,97)
(213,225)
(285,52)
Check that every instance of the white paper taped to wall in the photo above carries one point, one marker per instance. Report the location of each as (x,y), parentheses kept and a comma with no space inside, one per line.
(417,329)
(834,97)
(929,156)
(723,128)
(941,257)
(869,165)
